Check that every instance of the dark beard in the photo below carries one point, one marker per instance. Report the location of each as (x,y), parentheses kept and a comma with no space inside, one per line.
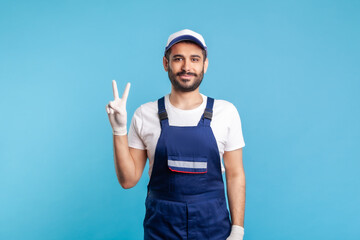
(177,85)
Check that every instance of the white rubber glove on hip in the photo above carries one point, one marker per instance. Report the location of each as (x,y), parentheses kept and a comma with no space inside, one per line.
(117,110)
(237,233)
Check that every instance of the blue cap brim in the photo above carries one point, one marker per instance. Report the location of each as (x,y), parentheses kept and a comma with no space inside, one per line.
(184,38)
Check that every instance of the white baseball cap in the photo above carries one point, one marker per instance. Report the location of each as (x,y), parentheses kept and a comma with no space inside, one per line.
(184,35)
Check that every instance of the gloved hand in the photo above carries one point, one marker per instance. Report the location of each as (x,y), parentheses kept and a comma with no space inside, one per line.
(117,110)
(237,233)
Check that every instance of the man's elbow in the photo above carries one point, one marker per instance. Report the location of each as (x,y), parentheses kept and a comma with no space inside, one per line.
(238,176)
(127,184)
(235,172)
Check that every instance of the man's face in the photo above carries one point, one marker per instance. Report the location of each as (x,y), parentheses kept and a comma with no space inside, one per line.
(186,66)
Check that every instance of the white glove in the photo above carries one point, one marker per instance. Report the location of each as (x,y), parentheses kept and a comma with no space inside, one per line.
(237,233)
(117,110)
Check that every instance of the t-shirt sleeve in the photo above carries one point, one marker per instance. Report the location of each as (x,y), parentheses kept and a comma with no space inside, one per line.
(235,138)
(134,135)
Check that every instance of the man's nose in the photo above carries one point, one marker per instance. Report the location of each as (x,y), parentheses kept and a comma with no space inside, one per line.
(186,65)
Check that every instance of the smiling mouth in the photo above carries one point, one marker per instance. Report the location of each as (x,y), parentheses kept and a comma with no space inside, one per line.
(186,76)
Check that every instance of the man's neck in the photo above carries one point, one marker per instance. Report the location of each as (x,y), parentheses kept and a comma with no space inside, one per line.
(185,100)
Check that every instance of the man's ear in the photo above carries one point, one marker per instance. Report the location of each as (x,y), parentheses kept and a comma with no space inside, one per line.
(165,63)
(206,64)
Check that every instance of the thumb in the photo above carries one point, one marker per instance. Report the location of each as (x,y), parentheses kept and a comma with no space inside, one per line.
(114,106)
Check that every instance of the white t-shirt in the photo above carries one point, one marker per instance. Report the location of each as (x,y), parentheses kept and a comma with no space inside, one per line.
(145,126)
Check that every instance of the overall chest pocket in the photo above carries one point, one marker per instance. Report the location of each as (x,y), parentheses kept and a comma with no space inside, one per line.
(187,164)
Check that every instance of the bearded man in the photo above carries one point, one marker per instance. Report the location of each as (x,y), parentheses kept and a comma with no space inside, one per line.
(185,135)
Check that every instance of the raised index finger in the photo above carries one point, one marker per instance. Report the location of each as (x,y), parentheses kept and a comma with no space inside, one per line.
(115,90)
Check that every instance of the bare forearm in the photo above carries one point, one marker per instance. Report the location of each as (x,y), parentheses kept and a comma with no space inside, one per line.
(124,163)
(236,196)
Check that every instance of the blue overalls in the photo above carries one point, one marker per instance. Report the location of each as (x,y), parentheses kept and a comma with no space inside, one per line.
(186,197)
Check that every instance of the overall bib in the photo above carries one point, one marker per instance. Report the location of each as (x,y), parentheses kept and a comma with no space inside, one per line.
(186,197)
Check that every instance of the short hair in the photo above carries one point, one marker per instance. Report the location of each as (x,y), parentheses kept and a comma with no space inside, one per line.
(168,52)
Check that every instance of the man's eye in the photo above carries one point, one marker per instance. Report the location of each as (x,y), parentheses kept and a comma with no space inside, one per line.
(195,59)
(177,59)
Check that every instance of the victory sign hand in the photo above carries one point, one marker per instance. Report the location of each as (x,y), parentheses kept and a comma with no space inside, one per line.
(117,110)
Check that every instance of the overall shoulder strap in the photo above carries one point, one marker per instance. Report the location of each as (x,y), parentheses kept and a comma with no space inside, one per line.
(162,113)
(208,113)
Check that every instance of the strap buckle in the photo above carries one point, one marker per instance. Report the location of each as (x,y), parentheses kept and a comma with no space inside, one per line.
(208,115)
(163,115)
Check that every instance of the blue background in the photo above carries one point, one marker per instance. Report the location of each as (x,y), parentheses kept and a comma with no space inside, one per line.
(290,67)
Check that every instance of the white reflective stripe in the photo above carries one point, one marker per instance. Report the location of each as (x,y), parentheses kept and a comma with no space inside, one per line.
(185,164)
